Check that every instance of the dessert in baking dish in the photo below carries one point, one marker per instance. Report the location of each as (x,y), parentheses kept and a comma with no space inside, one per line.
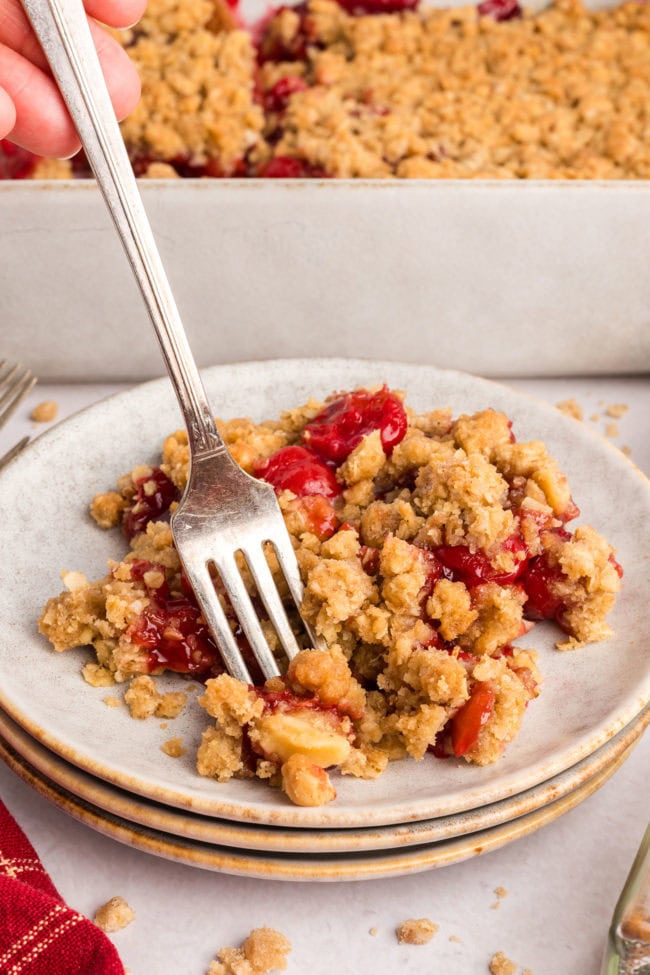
(387,88)
(428,545)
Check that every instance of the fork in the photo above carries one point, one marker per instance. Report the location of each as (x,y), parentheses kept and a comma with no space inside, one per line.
(224,511)
(15,383)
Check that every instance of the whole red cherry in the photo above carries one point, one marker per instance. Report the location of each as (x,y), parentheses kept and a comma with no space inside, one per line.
(298,469)
(341,426)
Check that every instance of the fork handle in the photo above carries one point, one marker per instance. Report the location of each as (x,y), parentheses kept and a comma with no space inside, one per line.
(62,29)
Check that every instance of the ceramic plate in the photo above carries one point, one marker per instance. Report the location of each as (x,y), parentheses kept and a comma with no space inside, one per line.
(247,836)
(293,866)
(588,696)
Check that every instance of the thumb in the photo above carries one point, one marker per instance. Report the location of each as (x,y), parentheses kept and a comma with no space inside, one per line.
(7,114)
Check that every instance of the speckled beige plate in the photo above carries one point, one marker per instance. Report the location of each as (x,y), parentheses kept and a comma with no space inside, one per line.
(587,697)
(247,836)
(295,866)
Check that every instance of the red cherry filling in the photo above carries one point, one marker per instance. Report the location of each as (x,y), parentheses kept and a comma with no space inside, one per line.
(341,426)
(286,701)
(288,167)
(150,503)
(15,163)
(500,9)
(170,629)
(542,603)
(474,568)
(319,516)
(277,98)
(466,724)
(298,469)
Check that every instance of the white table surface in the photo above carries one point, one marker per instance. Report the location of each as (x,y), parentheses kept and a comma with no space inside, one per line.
(562,881)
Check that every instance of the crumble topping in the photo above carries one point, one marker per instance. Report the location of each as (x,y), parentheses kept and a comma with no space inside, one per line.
(570,407)
(617,410)
(114,915)
(198,87)
(416,931)
(264,950)
(45,412)
(500,964)
(174,747)
(428,545)
(345,90)
(144,700)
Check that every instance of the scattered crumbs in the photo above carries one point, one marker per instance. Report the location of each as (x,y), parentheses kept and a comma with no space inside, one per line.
(455,938)
(501,892)
(527,971)
(163,725)
(416,931)
(374,932)
(611,429)
(173,747)
(570,408)
(144,700)
(626,450)
(595,417)
(112,702)
(501,965)
(45,412)
(114,915)
(97,676)
(617,410)
(264,950)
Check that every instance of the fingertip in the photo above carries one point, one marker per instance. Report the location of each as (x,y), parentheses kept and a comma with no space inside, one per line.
(119,71)
(7,114)
(116,13)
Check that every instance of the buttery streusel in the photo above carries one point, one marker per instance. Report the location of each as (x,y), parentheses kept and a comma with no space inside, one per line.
(338,89)
(427,546)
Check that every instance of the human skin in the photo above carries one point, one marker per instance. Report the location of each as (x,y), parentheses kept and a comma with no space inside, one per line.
(32,112)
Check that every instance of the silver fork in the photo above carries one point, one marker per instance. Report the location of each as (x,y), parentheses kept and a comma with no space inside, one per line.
(223,510)
(15,383)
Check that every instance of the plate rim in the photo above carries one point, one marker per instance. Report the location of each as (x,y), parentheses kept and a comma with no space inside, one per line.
(372,865)
(262,838)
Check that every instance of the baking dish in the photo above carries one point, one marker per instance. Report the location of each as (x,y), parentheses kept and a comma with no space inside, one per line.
(500,278)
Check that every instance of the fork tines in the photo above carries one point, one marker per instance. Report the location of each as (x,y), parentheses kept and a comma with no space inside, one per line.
(15,383)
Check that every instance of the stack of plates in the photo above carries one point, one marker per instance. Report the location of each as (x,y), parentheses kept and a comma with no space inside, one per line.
(108,770)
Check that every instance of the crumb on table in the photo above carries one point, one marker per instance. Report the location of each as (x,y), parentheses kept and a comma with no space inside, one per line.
(611,430)
(501,965)
(416,931)
(374,932)
(114,915)
(500,892)
(570,408)
(264,950)
(617,410)
(45,412)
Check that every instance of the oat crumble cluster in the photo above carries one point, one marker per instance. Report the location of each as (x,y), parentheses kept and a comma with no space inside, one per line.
(264,950)
(386,88)
(114,915)
(428,545)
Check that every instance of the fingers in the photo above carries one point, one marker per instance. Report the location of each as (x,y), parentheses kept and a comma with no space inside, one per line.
(116,13)
(7,114)
(42,124)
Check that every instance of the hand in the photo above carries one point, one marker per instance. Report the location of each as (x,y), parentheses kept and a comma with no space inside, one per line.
(32,112)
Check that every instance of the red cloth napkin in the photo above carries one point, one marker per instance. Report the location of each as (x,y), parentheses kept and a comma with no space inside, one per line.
(39,934)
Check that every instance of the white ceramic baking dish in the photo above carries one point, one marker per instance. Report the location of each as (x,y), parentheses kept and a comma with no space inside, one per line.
(499,278)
